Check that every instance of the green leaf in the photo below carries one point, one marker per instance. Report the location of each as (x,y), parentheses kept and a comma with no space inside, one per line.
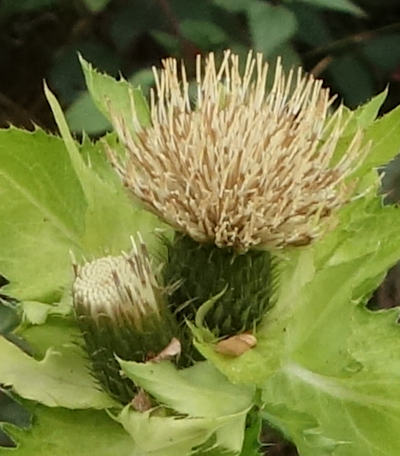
(385,137)
(215,408)
(61,378)
(233,5)
(83,115)
(329,369)
(62,432)
(207,35)
(356,414)
(382,135)
(270,26)
(171,436)
(36,313)
(111,217)
(345,6)
(359,119)
(43,217)
(196,391)
(121,96)
(14,413)
(57,333)
(251,444)
(364,115)
(368,112)
(9,316)
(56,202)
(96,5)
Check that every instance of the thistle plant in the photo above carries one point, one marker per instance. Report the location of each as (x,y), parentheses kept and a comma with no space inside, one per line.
(121,311)
(240,173)
(258,198)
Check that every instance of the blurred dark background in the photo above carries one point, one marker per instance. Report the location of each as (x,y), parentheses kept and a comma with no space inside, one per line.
(353,45)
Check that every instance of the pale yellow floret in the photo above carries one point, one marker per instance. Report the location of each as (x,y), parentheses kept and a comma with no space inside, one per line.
(123,287)
(244,166)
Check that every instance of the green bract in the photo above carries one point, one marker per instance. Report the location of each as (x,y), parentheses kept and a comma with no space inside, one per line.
(325,370)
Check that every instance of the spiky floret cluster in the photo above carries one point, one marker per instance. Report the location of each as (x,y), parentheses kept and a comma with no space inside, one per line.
(244,166)
(121,310)
(122,288)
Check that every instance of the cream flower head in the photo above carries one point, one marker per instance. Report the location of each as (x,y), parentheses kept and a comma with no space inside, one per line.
(244,166)
(122,288)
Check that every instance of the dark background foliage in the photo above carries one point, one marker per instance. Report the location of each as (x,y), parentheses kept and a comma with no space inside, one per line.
(353,45)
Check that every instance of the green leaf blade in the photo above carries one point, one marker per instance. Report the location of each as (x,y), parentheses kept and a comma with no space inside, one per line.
(61,378)
(384,134)
(120,96)
(270,26)
(197,391)
(345,6)
(329,368)
(61,432)
(44,215)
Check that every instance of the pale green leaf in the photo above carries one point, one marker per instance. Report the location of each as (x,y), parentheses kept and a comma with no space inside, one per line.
(84,116)
(356,413)
(270,26)
(368,112)
(359,119)
(43,217)
(199,391)
(111,217)
(384,135)
(171,436)
(121,96)
(57,203)
(61,378)
(36,313)
(215,408)
(328,368)
(58,332)
(62,432)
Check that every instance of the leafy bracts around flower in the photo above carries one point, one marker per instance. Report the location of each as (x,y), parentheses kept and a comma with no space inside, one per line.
(244,280)
(121,311)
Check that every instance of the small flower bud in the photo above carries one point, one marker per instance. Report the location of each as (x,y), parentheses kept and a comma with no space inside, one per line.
(121,311)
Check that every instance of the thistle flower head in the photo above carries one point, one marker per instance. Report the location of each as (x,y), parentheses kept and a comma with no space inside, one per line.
(244,166)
